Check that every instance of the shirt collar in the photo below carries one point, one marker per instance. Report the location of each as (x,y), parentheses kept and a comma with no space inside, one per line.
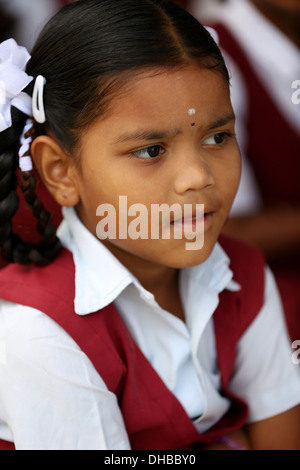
(100,277)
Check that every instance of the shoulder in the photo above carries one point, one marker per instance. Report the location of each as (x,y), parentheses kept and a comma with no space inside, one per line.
(36,285)
(243,256)
(20,325)
(248,266)
(38,357)
(61,263)
(31,343)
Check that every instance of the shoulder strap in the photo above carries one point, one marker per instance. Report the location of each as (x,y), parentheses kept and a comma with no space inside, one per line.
(51,290)
(237,310)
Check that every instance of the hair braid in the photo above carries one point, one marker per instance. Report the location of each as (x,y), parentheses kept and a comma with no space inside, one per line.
(9,201)
(50,246)
(13,248)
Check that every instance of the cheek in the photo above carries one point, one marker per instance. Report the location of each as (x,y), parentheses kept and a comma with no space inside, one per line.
(114,195)
(95,189)
(98,187)
(228,179)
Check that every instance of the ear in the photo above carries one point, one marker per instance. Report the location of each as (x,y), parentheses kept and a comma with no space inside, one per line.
(57,170)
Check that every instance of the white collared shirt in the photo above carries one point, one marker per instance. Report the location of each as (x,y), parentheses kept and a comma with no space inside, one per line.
(51,397)
(276,61)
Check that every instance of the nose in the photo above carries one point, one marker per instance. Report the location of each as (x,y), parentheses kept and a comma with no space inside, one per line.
(193,173)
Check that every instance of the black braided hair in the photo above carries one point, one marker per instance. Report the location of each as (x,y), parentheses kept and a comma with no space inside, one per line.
(13,248)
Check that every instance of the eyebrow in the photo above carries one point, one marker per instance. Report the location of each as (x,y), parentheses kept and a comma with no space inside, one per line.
(152,134)
(147,135)
(222,121)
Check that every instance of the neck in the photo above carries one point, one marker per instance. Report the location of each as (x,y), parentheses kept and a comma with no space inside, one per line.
(287,21)
(161,281)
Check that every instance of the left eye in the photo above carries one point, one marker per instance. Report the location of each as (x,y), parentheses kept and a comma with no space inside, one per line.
(216,139)
(149,152)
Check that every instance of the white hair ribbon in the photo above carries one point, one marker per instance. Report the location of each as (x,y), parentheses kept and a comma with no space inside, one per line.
(23,102)
(25,162)
(13,80)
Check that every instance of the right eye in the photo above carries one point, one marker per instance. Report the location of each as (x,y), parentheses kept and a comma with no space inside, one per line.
(153,151)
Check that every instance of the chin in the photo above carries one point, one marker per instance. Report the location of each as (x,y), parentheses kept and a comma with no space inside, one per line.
(181,259)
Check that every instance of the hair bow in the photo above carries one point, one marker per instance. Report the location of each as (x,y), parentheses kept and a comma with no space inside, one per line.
(13,80)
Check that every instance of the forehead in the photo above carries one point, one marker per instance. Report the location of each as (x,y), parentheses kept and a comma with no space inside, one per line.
(171,85)
(165,98)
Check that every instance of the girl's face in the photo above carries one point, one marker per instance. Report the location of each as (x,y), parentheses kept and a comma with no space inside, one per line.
(168,138)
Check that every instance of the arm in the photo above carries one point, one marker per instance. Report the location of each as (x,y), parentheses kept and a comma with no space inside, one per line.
(240,441)
(281,432)
(267,379)
(51,396)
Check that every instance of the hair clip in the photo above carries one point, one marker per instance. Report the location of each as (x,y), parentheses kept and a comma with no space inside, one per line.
(25,162)
(38,109)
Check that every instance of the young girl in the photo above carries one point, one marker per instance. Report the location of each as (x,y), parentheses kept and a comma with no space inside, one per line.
(133,342)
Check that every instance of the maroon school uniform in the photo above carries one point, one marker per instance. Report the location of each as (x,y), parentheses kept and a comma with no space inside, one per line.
(153,416)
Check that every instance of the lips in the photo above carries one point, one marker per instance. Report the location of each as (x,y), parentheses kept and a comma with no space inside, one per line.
(193,223)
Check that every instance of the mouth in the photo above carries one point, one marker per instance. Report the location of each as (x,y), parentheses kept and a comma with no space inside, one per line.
(194,223)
